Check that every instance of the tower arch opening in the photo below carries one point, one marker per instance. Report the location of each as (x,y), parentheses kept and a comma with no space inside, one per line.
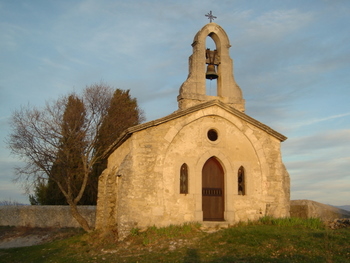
(197,89)
(210,84)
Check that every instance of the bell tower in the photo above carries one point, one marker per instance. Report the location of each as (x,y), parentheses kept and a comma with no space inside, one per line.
(219,68)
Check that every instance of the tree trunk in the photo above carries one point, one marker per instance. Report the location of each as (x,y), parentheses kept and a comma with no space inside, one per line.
(81,220)
(74,208)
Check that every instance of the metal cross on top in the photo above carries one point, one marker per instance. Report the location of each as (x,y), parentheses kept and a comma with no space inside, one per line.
(210,16)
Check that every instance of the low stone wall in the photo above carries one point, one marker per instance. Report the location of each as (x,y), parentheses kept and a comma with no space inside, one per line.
(44,216)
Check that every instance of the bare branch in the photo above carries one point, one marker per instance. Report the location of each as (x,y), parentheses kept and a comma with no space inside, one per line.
(64,140)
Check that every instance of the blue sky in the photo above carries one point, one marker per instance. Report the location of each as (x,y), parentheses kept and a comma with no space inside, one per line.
(291,60)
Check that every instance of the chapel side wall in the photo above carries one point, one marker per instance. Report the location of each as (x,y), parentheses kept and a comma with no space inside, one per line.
(278,183)
(275,179)
(102,201)
(107,198)
(142,191)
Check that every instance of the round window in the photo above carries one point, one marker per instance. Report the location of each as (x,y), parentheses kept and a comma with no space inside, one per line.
(212,135)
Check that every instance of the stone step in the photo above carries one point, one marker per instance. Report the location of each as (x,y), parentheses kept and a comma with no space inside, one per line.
(213,226)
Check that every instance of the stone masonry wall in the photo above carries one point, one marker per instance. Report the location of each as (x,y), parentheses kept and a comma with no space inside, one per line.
(44,216)
(144,171)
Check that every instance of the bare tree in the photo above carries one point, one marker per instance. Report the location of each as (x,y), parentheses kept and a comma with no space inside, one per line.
(47,140)
(9,202)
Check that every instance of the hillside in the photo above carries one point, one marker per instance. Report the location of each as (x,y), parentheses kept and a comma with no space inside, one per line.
(313,209)
(344,207)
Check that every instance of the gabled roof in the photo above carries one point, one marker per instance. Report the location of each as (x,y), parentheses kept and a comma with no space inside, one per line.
(177,114)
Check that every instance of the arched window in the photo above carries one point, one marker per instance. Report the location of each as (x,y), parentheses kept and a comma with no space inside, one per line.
(241,181)
(184,179)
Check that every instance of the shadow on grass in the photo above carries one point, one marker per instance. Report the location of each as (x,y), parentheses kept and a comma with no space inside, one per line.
(192,256)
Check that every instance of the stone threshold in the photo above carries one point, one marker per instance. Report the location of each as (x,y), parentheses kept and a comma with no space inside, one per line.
(213,226)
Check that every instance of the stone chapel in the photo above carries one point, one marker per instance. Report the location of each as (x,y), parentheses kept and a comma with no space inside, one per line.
(208,161)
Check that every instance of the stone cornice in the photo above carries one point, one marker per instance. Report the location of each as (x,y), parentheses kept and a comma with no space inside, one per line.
(180,113)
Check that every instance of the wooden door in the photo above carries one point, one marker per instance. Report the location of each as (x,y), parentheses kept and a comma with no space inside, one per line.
(213,191)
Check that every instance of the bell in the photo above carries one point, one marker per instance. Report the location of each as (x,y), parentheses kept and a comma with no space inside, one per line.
(211,73)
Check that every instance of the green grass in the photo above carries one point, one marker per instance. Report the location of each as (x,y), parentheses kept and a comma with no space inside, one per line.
(268,240)
(313,223)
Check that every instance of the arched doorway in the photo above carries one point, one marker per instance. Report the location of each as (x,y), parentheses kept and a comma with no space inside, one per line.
(213,191)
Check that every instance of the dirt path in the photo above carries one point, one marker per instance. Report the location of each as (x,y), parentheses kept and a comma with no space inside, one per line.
(24,236)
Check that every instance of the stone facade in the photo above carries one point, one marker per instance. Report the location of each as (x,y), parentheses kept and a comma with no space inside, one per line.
(141,185)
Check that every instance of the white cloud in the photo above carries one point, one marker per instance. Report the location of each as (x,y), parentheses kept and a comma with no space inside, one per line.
(321,140)
(272,26)
(281,22)
(333,191)
(288,56)
(318,120)
(319,166)
(11,35)
(48,62)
